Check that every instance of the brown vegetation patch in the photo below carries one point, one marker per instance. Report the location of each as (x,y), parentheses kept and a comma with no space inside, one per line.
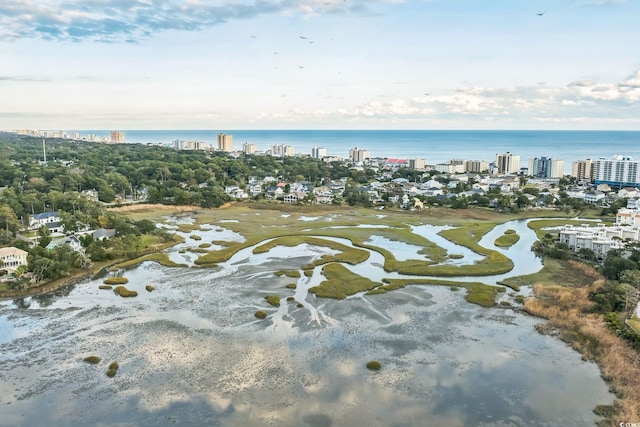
(566,309)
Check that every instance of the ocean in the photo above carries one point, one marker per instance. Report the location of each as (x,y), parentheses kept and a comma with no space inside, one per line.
(435,146)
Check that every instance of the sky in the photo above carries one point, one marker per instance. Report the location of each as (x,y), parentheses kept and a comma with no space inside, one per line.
(319,64)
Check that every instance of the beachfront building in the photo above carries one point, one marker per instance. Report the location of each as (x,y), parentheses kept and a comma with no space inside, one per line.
(617,172)
(359,155)
(117,137)
(318,152)
(225,142)
(546,167)
(417,164)
(249,148)
(281,150)
(582,169)
(508,164)
(12,258)
(476,166)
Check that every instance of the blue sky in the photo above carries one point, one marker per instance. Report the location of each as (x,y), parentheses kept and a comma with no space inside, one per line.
(319,64)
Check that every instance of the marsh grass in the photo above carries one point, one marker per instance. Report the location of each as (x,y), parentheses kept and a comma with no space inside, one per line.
(568,310)
(94,360)
(274,300)
(113,369)
(341,282)
(477,293)
(291,286)
(204,245)
(260,314)
(124,292)
(105,287)
(159,257)
(374,365)
(508,239)
(195,237)
(115,281)
(149,288)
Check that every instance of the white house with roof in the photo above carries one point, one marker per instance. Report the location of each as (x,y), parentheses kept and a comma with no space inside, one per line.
(103,233)
(38,220)
(71,241)
(628,193)
(12,258)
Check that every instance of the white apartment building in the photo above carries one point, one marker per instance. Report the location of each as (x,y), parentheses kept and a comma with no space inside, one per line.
(449,168)
(281,150)
(508,164)
(619,171)
(249,148)
(599,239)
(318,152)
(359,155)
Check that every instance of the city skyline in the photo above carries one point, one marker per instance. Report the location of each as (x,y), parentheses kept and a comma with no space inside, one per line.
(348,64)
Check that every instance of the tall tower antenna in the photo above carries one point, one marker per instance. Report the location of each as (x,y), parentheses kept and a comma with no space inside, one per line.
(44,151)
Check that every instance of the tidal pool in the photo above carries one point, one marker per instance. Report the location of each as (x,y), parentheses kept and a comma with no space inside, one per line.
(192,353)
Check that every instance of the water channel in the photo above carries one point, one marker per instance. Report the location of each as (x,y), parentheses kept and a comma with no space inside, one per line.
(192,353)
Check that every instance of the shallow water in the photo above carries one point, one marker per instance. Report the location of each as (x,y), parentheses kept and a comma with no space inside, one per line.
(192,353)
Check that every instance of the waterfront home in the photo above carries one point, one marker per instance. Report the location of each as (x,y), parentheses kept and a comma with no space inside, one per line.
(294,197)
(71,241)
(12,258)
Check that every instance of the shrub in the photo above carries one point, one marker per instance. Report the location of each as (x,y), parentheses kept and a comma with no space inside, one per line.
(113,368)
(519,299)
(292,273)
(124,292)
(374,365)
(260,314)
(274,300)
(115,281)
(94,360)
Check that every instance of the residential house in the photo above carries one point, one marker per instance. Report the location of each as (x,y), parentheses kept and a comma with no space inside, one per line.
(72,241)
(294,197)
(628,193)
(322,195)
(12,258)
(594,196)
(38,220)
(90,194)
(103,234)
